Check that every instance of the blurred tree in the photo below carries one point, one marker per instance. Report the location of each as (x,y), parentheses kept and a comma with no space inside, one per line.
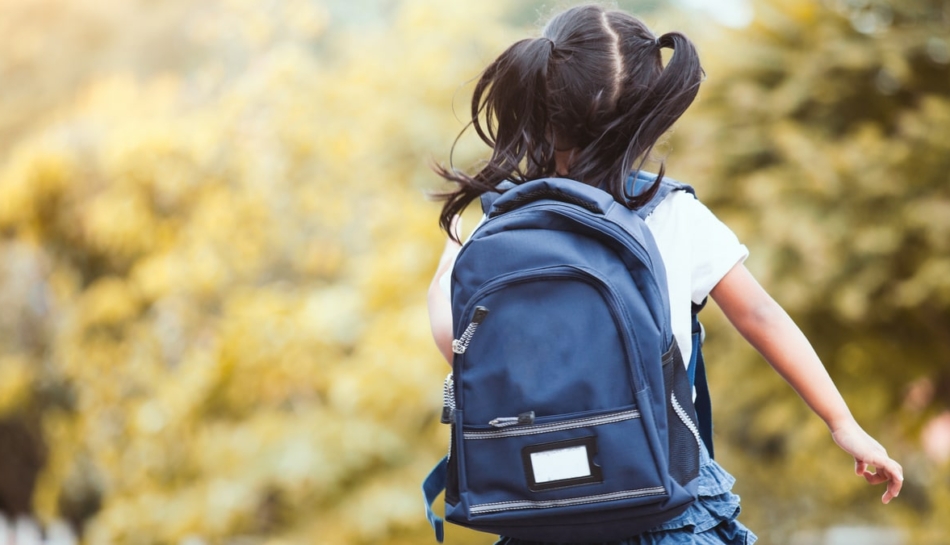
(214,271)
(214,249)
(823,137)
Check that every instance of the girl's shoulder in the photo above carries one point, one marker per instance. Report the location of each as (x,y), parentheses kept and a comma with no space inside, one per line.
(679,205)
(682,219)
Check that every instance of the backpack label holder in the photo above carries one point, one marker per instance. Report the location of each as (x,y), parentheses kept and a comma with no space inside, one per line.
(561,463)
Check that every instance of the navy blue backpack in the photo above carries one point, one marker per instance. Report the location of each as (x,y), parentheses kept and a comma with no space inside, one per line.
(570,407)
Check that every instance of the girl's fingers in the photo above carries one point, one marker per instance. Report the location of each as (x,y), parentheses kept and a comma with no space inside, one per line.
(888,471)
(896,473)
(875,478)
(869,453)
(893,488)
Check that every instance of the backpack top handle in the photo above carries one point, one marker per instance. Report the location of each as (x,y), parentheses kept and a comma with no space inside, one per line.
(588,197)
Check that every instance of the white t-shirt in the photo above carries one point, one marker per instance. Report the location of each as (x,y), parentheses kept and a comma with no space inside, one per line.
(697,249)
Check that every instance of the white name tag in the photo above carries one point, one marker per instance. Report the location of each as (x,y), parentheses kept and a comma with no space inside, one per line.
(560,464)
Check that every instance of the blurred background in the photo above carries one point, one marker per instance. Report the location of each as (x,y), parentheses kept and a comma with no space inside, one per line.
(215,242)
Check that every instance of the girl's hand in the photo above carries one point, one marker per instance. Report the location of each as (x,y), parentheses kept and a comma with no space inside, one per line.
(772,332)
(869,453)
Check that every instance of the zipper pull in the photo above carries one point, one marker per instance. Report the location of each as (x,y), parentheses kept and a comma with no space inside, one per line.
(448,408)
(448,400)
(460,345)
(505,421)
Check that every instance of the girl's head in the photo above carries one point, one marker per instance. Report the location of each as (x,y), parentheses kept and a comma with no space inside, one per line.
(591,95)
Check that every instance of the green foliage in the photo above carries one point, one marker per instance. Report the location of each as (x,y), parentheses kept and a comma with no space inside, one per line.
(823,137)
(216,244)
(221,272)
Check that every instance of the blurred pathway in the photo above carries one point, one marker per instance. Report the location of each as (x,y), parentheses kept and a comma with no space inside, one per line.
(26,531)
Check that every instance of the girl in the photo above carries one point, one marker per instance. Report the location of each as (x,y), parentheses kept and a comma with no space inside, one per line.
(588,100)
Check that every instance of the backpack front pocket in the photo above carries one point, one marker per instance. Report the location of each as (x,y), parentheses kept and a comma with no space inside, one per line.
(579,461)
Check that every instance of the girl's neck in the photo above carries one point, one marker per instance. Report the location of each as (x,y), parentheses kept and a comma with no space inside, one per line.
(563,160)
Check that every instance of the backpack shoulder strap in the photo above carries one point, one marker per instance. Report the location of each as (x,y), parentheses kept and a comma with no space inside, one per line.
(641,181)
(697,377)
(696,370)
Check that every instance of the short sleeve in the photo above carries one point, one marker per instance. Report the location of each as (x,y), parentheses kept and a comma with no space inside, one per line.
(715,249)
(445,281)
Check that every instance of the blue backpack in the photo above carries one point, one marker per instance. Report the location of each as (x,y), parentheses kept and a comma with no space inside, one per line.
(570,407)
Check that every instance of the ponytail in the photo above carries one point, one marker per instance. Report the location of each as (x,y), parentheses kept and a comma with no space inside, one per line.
(653,97)
(512,96)
(594,84)
(672,93)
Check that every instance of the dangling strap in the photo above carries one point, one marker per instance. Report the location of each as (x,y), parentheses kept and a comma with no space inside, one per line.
(432,486)
(697,376)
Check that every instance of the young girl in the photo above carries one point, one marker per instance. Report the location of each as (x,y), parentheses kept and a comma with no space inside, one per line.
(588,100)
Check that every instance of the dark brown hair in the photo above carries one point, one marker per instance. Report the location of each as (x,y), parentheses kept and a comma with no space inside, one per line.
(593,82)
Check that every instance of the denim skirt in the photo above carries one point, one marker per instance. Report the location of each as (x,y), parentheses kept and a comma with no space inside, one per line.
(711,520)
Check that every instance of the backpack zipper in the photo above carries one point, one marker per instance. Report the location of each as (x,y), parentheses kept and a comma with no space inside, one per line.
(448,400)
(504,506)
(548,427)
(505,421)
(460,345)
(448,408)
(684,417)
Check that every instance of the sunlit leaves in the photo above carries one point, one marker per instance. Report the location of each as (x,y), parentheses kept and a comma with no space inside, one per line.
(234,257)
(214,262)
(831,163)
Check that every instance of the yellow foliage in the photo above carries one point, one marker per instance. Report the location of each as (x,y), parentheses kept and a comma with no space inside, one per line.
(237,261)
(107,302)
(16,381)
(822,140)
(216,244)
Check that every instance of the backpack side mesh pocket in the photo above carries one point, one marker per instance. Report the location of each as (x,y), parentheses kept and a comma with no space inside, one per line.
(684,435)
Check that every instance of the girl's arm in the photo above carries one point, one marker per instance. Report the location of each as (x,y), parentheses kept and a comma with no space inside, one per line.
(440,308)
(772,332)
